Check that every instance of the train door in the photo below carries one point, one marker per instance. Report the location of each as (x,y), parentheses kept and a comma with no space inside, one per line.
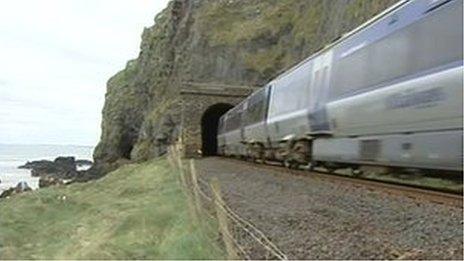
(266,115)
(321,73)
(243,107)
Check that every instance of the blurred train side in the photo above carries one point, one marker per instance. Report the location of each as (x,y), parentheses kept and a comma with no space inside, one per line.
(388,94)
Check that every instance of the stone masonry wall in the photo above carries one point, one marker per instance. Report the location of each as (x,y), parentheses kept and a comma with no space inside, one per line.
(195,101)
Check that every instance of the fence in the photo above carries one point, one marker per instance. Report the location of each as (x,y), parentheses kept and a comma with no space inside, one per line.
(241,239)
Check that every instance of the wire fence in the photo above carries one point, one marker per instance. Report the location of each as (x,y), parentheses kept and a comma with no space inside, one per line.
(241,239)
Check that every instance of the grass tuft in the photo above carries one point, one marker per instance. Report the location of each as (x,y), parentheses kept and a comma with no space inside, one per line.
(135,212)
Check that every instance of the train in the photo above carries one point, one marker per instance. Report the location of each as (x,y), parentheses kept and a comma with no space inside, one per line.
(389,94)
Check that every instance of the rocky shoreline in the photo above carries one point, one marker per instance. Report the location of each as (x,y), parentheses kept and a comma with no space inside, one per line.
(61,171)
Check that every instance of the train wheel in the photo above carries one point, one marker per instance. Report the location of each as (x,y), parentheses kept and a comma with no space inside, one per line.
(286,164)
(329,169)
(356,172)
(311,166)
(289,164)
(260,153)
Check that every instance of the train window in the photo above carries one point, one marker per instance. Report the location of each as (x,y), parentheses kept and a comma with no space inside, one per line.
(432,41)
(291,93)
(255,111)
(234,118)
(233,122)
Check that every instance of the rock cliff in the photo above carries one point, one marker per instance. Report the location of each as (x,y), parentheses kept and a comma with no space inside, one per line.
(240,42)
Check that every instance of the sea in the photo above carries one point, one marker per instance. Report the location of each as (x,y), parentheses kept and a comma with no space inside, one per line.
(14,155)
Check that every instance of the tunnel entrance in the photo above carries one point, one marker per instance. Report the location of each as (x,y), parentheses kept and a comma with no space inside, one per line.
(209,127)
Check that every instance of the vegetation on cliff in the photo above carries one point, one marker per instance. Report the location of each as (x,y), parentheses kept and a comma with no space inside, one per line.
(240,42)
(136,212)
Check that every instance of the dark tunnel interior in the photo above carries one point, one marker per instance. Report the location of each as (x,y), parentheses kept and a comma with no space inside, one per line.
(209,127)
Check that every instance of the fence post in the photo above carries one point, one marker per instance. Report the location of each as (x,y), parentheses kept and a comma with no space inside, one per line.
(222,220)
(185,189)
(170,157)
(195,186)
(181,170)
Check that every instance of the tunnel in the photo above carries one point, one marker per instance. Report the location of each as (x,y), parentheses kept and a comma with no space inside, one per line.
(209,127)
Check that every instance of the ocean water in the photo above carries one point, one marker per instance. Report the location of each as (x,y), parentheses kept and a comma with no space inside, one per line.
(12,156)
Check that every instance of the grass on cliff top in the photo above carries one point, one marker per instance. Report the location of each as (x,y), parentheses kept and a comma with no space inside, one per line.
(135,212)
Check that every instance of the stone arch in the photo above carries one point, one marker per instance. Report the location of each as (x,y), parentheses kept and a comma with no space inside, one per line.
(198,103)
(209,127)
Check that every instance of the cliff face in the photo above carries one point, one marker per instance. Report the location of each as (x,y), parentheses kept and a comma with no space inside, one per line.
(240,42)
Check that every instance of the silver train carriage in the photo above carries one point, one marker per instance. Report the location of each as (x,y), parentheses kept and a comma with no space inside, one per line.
(388,93)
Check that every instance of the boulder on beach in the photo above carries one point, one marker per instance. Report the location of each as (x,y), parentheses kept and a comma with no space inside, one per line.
(61,167)
(7,193)
(36,164)
(57,171)
(84,163)
(20,188)
(47,181)
(66,162)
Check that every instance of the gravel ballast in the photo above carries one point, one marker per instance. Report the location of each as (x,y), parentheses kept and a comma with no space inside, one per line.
(313,218)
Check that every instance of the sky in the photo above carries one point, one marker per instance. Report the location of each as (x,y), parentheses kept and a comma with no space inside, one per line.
(55,59)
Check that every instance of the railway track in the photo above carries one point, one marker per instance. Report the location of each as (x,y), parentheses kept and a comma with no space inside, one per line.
(393,188)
